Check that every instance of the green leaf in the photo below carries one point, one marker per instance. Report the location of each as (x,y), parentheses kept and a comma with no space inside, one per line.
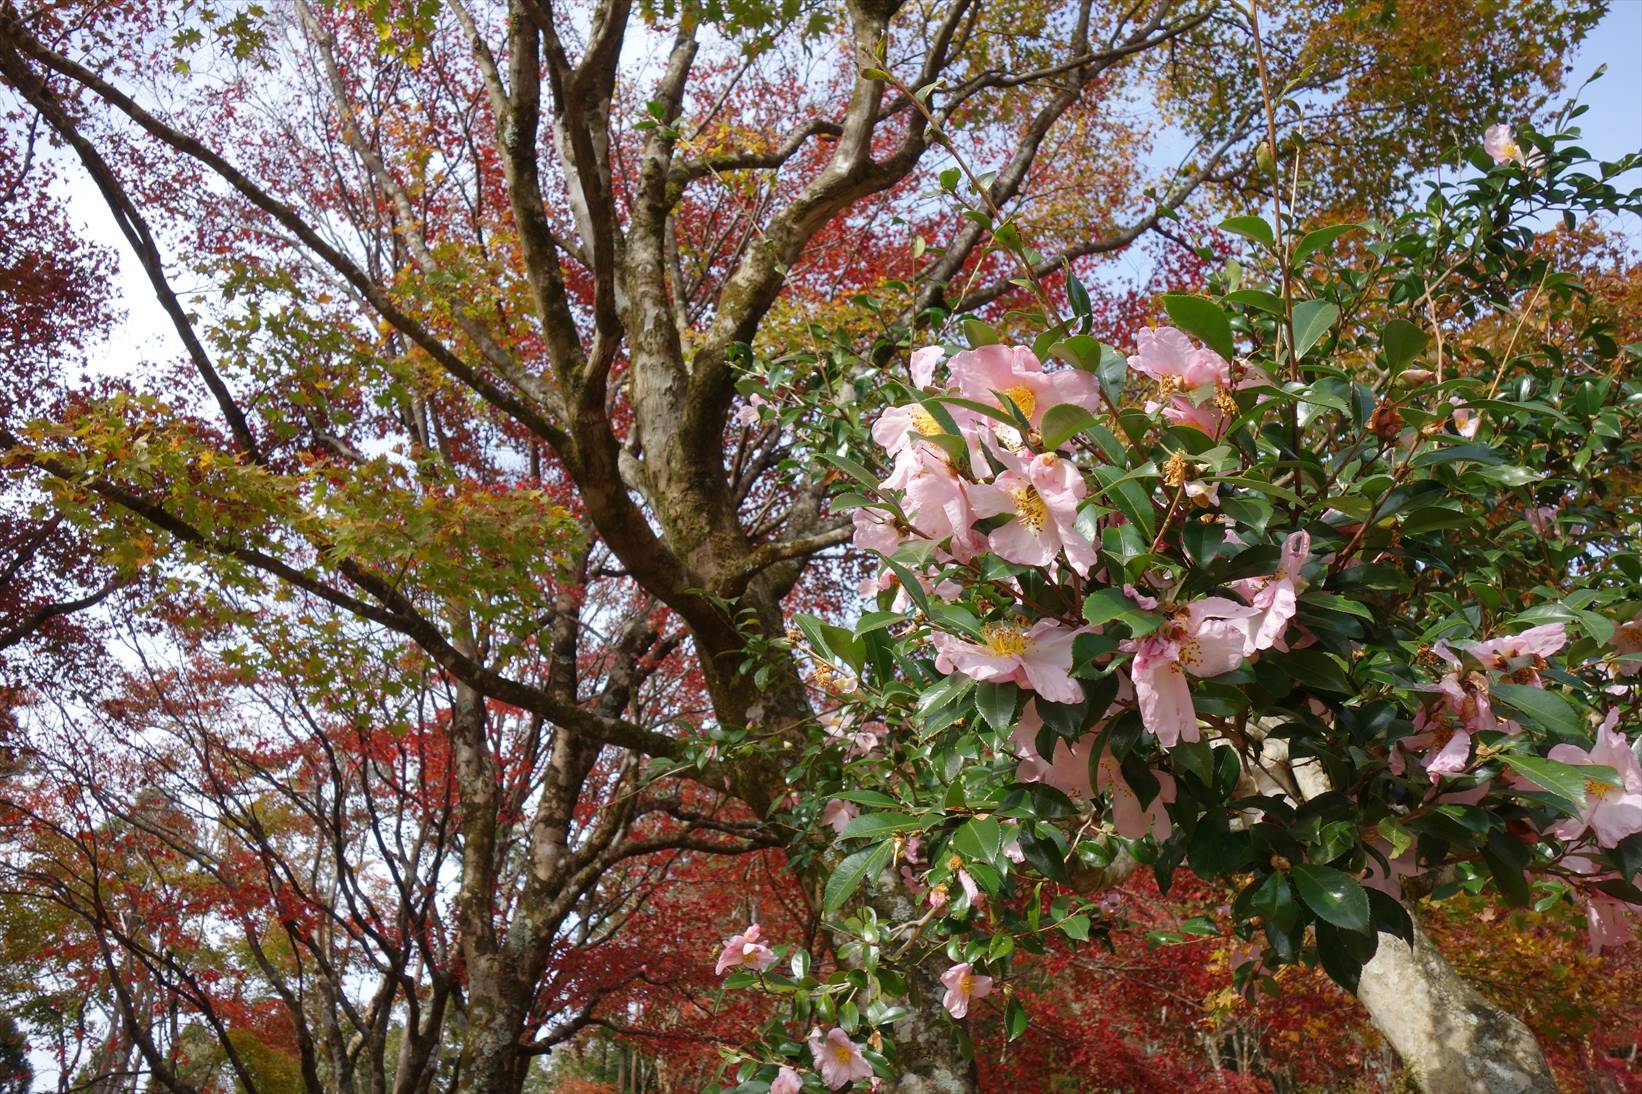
(1203,318)
(1106,362)
(1402,341)
(1014,1018)
(909,583)
(1251,227)
(1508,475)
(1075,927)
(871,825)
(1456,453)
(1506,859)
(1343,953)
(1545,709)
(1335,896)
(1203,541)
(1312,242)
(1312,320)
(1274,900)
(1314,669)
(852,871)
(1267,302)
(1125,492)
(1104,605)
(1062,422)
(979,838)
(1564,782)
(978,333)
(1215,849)
(1390,916)
(996,703)
(1329,602)
(852,469)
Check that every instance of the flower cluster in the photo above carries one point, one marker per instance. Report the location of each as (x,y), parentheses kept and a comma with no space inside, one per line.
(973,451)
(977,472)
(1309,592)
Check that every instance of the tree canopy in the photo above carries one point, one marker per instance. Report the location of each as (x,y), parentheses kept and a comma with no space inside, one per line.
(386,666)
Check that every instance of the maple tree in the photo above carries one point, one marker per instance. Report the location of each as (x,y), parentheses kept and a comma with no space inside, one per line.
(452,420)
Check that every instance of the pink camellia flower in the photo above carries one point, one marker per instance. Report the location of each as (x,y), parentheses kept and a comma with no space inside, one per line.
(1203,494)
(1500,142)
(1169,356)
(1131,819)
(1627,643)
(745,951)
(898,428)
(786,1081)
(937,502)
(1466,420)
(1208,418)
(1611,812)
(1041,495)
(1542,519)
(1039,657)
(1443,732)
(839,1059)
(971,890)
(748,415)
(837,814)
(923,365)
(1609,921)
(857,742)
(991,374)
(962,985)
(1275,599)
(1519,657)
(875,531)
(1067,772)
(1206,638)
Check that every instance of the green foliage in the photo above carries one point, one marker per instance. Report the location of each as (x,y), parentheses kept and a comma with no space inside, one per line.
(1406,422)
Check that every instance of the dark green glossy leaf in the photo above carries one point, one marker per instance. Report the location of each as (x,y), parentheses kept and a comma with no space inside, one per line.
(852,871)
(1333,895)
(1203,319)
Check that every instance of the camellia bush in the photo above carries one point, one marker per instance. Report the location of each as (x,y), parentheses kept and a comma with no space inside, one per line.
(1327,586)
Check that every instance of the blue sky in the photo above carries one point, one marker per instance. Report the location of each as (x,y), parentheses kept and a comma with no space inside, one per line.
(1614,125)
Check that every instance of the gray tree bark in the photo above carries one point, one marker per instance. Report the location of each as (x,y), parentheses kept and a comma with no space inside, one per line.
(1452,1039)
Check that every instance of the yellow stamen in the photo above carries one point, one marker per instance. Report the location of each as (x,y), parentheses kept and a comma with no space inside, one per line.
(1175,469)
(1596,791)
(1022,396)
(1029,507)
(1006,639)
(924,422)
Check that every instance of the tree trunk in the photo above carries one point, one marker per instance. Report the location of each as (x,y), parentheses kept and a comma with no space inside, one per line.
(930,1058)
(1452,1039)
(492,1060)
